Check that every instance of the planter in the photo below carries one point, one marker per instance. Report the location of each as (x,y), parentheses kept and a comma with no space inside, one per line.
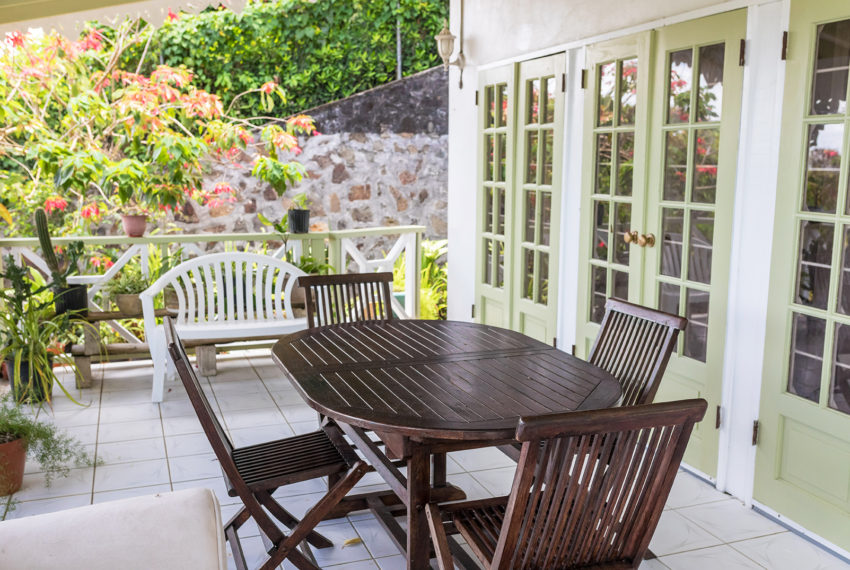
(299,221)
(129,303)
(169,296)
(73,298)
(13,458)
(134,224)
(22,391)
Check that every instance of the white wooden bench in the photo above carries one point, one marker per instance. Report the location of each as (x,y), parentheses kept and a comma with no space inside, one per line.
(221,297)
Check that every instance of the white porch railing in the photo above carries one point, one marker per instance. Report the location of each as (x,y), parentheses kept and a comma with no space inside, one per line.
(337,248)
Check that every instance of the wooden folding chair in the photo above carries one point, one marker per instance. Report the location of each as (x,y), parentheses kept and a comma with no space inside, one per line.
(254,472)
(634,344)
(569,508)
(347,298)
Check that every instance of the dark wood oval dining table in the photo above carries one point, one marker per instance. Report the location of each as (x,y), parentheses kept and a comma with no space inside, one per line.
(430,387)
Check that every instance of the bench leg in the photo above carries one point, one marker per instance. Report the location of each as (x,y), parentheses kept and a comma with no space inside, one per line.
(84,377)
(206,360)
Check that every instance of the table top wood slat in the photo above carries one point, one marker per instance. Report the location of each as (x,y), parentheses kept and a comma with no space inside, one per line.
(426,379)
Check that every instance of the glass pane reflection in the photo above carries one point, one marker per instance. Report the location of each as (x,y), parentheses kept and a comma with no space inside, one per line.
(668,298)
(622,224)
(628,91)
(696,333)
(829,85)
(625,163)
(681,79)
(710,95)
(815,263)
(533,114)
(605,94)
(807,339)
(823,167)
(700,246)
(543,281)
(549,112)
(675,165)
(531,158)
(528,273)
(706,152)
(603,163)
(599,293)
(600,230)
(672,228)
(839,389)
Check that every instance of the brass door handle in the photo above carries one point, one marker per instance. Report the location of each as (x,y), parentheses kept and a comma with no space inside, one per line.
(646,240)
(630,237)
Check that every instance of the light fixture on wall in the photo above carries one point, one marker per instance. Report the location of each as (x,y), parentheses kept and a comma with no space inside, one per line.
(446,45)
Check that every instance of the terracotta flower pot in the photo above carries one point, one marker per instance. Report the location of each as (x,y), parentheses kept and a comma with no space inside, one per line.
(134,224)
(13,458)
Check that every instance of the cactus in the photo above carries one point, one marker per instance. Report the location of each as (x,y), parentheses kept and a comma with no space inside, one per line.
(47,249)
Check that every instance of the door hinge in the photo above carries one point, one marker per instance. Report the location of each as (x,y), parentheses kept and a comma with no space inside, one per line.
(555,342)
(476,97)
(742,55)
(784,45)
(573,350)
(717,419)
(755,432)
(563,83)
(584,79)
(473,310)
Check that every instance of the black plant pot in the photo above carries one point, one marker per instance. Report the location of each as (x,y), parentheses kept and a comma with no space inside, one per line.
(22,391)
(299,221)
(73,298)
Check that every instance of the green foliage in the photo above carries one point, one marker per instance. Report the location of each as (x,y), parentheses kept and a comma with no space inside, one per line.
(129,281)
(54,450)
(433,280)
(316,51)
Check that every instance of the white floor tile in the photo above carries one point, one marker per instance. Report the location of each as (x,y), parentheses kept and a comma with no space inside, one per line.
(302,413)
(253,435)
(498,482)
(74,417)
(192,467)
(77,482)
(711,558)
(484,458)
(397,562)
(676,534)
(30,508)
(787,551)
(83,434)
(688,491)
(253,418)
(126,475)
(216,484)
(134,450)
(126,431)
(305,427)
(129,413)
(187,444)
(729,520)
(126,397)
(105,496)
(377,541)
(339,553)
(181,425)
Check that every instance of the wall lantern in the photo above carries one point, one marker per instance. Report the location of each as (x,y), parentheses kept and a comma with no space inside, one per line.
(446,45)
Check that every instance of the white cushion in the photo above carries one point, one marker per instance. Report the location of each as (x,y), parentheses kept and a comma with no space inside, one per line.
(182,529)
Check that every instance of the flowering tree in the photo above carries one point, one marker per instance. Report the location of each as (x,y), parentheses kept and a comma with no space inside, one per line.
(84,138)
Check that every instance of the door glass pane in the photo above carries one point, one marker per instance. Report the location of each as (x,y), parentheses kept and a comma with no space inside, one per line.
(545,216)
(710,96)
(500,227)
(706,152)
(549,112)
(600,284)
(548,141)
(675,165)
(681,78)
(603,163)
(672,227)
(621,284)
(500,267)
(600,230)
(530,214)
(488,210)
(831,63)
(490,105)
(502,104)
(488,261)
(807,338)
(815,262)
(628,91)
(533,113)
(696,333)
(625,163)
(605,90)
(839,389)
(489,144)
(844,283)
(531,158)
(700,246)
(502,146)
(668,298)
(528,273)
(823,167)
(543,281)
(622,224)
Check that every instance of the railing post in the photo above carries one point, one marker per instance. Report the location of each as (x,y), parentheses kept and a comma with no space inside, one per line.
(412,274)
(335,255)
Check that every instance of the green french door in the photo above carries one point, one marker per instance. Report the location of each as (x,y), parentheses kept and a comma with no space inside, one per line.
(803,455)
(660,177)
(521,141)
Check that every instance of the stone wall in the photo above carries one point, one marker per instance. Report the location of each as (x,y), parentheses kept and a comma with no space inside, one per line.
(381,160)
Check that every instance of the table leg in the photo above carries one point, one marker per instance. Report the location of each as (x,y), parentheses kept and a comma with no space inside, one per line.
(418,493)
(439,470)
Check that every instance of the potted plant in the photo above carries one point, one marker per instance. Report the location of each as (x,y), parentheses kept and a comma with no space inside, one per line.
(31,336)
(22,436)
(66,297)
(125,287)
(298,215)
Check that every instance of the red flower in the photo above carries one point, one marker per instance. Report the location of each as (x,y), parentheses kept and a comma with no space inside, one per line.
(246,137)
(303,122)
(15,38)
(222,188)
(172,17)
(268,87)
(55,203)
(92,41)
(90,211)
(285,141)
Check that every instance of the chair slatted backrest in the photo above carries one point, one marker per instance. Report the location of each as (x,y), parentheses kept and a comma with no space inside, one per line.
(634,344)
(215,433)
(347,298)
(569,508)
